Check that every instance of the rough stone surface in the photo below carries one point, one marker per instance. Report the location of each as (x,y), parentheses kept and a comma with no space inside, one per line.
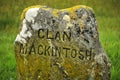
(60,45)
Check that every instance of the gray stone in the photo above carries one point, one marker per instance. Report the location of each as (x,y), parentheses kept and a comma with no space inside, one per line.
(60,45)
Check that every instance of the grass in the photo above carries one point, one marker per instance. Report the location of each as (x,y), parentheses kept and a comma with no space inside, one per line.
(107,14)
(7,58)
(110,39)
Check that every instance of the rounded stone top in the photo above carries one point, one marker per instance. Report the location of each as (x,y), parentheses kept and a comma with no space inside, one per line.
(55,11)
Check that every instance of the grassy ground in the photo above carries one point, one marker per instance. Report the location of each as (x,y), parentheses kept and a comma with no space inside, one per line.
(107,14)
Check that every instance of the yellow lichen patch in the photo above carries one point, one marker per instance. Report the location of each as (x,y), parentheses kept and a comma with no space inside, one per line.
(73,16)
(26,9)
(72,9)
(45,8)
(55,12)
(68,66)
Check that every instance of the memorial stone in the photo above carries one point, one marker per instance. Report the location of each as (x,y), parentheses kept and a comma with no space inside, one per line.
(64,44)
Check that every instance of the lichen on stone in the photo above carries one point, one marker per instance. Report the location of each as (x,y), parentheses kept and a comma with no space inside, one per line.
(60,44)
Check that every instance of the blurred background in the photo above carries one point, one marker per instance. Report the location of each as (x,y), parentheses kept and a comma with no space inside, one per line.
(108,17)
